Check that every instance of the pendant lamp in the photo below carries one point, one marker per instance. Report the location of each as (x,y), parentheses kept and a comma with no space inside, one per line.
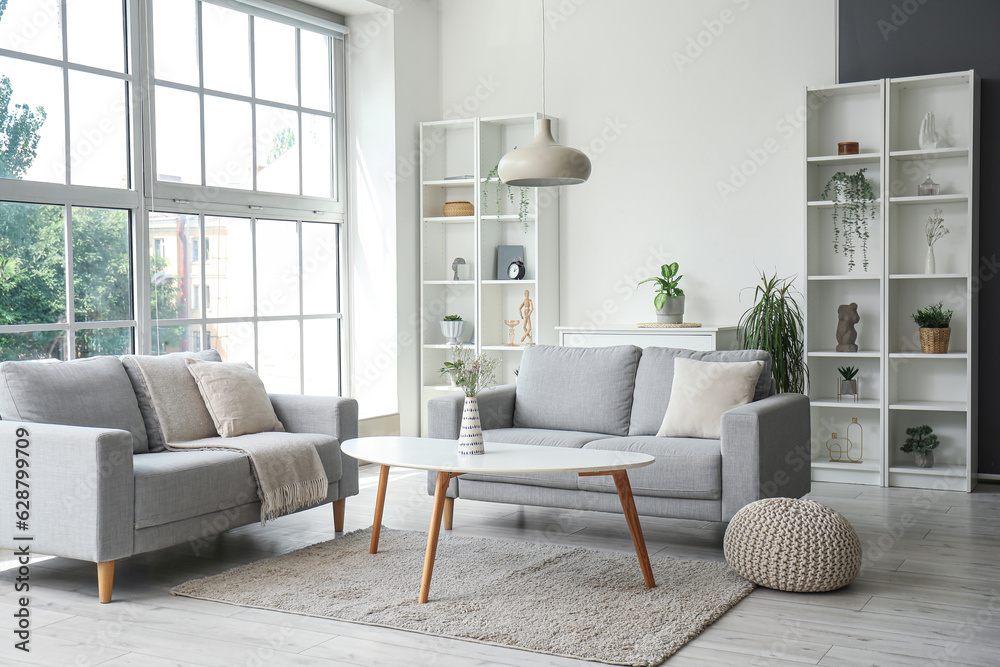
(543,162)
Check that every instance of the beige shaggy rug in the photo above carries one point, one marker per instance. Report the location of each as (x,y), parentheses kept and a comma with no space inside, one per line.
(565,601)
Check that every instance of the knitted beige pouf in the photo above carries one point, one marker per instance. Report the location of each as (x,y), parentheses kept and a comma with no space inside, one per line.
(793,545)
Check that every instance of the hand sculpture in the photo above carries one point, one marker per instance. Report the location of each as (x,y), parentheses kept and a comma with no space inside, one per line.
(929,138)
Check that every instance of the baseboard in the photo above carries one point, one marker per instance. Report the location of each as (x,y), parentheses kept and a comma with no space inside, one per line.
(988,477)
(381,425)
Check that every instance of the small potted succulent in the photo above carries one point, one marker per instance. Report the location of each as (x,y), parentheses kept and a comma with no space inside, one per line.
(848,384)
(669,299)
(935,328)
(452,327)
(921,442)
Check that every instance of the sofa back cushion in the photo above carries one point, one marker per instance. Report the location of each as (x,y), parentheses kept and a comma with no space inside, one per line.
(86,392)
(171,405)
(655,377)
(576,388)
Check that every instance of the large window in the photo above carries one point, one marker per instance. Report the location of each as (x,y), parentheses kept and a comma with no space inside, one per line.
(206,213)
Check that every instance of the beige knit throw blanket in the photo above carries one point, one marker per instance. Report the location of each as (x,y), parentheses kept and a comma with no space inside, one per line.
(287,468)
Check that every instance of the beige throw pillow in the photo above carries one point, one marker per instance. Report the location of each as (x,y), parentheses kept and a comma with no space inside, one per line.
(235,397)
(702,391)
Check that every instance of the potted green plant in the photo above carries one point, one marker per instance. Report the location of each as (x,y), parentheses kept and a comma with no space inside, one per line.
(853,209)
(848,383)
(935,328)
(451,369)
(669,299)
(921,442)
(774,324)
(452,327)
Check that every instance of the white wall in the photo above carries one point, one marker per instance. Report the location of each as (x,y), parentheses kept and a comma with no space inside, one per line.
(393,77)
(665,123)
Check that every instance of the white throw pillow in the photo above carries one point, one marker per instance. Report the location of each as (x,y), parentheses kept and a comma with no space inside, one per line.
(235,397)
(702,391)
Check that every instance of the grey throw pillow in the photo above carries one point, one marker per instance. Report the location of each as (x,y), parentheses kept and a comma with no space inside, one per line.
(171,405)
(86,392)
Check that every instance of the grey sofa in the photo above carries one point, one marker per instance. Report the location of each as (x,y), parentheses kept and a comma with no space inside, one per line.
(96,491)
(614,398)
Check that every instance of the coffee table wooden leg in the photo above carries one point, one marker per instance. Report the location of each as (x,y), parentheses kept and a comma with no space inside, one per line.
(632,516)
(383,481)
(449,512)
(432,534)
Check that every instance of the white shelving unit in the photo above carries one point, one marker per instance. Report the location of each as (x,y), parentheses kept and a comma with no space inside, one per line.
(457,156)
(900,386)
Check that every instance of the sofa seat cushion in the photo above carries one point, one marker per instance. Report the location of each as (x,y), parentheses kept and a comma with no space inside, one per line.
(684,467)
(536,436)
(172,486)
(655,377)
(576,388)
(86,392)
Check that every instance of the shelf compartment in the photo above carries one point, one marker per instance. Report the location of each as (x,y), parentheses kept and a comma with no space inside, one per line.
(952,470)
(845,355)
(505,348)
(822,320)
(929,357)
(450,219)
(451,182)
(509,282)
(930,154)
(933,406)
(908,296)
(928,276)
(846,276)
(449,282)
(910,200)
(507,217)
(832,402)
(859,158)
(837,465)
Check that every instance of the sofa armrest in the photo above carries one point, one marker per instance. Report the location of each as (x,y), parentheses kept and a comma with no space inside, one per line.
(765,451)
(496,410)
(81,488)
(328,415)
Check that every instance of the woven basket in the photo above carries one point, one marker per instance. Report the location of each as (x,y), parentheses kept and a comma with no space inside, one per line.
(793,545)
(934,341)
(453,208)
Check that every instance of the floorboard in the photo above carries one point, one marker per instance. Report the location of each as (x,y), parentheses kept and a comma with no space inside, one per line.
(928,592)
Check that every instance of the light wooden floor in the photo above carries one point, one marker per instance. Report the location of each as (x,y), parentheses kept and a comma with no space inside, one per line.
(929,592)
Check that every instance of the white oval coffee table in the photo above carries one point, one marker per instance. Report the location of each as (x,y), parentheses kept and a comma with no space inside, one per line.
(442,456)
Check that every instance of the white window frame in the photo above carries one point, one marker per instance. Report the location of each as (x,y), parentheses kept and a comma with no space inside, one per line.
(146,194)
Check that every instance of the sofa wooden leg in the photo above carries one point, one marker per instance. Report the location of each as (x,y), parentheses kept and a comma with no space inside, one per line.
(338,514)
(105,580)
(449,512)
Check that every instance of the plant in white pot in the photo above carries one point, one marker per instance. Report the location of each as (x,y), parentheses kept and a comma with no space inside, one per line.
(452,327)
(472,373)
(669,299)
(921,442)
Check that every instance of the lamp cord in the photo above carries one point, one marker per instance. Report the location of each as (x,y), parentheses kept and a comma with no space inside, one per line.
(542,3)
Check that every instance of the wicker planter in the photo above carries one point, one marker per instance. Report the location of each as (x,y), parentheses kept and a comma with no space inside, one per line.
(934,341)
(453,208)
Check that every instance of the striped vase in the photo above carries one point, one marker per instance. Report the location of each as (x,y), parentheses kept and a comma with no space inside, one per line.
(470,437)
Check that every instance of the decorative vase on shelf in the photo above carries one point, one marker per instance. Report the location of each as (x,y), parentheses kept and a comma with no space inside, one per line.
(928,188)
(924,460)
(452,329)
(470,436)
(929,265)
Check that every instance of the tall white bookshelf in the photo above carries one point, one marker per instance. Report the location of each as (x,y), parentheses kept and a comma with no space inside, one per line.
(457,157)
(899,386)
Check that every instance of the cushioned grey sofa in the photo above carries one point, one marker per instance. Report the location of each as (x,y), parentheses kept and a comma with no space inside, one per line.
(102,488)
(614,398)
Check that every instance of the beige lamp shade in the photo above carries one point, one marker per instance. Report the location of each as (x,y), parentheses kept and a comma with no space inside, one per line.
(543,162)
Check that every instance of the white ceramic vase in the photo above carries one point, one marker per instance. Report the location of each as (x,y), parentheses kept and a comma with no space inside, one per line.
(470,435)
(452,330)
(929,267)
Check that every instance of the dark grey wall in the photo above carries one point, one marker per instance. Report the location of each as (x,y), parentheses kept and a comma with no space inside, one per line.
(891,38)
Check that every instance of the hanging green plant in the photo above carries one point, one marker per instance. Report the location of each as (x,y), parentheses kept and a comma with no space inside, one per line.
(522,208)
(853,209)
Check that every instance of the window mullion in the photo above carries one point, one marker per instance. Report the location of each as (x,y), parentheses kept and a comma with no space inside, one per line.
(70,352)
